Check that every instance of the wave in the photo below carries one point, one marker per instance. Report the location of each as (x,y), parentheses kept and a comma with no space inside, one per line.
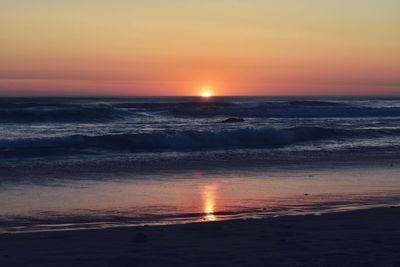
(189,140)
(49,112)
(172,141)
(315,103)
(269,109)
(87,111)
(289,110)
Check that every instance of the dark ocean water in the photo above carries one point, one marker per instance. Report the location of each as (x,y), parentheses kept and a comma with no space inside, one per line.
(183,145)
(31,127)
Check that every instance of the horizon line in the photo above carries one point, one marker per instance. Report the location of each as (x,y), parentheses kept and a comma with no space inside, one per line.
(188,96)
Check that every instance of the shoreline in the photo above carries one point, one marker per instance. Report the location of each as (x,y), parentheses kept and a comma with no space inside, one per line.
(369,237)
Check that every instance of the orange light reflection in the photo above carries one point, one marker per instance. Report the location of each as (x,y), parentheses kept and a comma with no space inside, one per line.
(209,202)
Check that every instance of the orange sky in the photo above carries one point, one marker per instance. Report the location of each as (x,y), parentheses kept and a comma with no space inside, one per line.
(277,47)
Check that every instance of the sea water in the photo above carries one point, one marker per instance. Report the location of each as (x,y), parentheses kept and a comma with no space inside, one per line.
(70,163)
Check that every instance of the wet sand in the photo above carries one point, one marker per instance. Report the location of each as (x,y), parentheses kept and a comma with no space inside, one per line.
(356,238)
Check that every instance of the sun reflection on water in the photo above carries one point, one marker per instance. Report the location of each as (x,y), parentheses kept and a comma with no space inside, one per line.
(209,201)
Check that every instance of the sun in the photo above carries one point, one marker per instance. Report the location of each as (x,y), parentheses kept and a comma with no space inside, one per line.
(206,92)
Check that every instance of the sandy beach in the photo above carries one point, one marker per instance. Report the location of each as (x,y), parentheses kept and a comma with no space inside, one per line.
(356,238)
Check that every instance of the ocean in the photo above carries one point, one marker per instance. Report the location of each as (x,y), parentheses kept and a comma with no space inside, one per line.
(72,163)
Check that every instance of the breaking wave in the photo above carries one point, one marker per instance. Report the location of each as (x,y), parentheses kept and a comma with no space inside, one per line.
(189,140)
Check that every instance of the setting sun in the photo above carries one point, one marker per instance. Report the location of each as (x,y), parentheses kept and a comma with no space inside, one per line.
(206,93)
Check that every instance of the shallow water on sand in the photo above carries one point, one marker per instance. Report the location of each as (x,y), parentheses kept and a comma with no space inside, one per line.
(193,196)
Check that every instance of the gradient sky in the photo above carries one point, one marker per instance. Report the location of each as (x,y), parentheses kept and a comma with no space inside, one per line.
(171,47)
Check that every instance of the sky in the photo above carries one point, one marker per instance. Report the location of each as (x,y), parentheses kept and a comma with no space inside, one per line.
(174,47)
